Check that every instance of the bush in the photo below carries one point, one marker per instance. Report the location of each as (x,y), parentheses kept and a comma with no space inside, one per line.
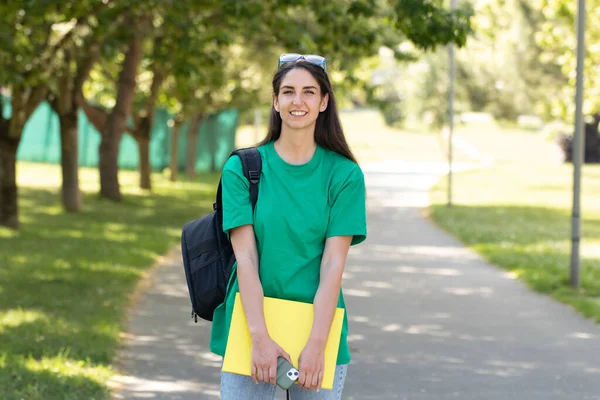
(592,142)
(392,112)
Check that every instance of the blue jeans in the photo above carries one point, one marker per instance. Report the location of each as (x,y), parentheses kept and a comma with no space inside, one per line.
(241,387)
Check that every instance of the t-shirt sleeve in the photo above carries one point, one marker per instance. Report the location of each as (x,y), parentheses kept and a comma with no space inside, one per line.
(235,192)
(348,214)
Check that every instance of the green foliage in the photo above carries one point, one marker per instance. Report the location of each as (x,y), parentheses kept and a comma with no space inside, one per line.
(194,42)
(522,60)
(427,23)
(557,40)
(503,69)
(25,35)
(34,34)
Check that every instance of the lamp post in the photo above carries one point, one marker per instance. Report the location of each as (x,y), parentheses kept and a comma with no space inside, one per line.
(578,144)
(450,112)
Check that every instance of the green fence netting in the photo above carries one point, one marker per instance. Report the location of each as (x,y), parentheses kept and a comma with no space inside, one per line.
(40,141)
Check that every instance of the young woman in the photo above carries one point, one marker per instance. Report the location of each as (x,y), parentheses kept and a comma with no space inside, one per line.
(310,210)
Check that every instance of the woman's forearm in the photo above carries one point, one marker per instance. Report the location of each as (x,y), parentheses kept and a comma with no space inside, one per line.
(252,295)
(251,292)
(326,298)
(325,301)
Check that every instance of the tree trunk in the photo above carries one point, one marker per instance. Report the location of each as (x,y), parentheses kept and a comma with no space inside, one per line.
(95,115)
(65,105)
(143,141)
(24,102)
(71,196)
(190,166)
(108,164)
(144,126)
(212,146)
(9,213)
(174,150)
(115,125)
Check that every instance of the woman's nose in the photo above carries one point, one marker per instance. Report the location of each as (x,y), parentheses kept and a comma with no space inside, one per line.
(297,99)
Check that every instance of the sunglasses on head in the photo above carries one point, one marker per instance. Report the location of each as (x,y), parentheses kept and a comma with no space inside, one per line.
(311,58)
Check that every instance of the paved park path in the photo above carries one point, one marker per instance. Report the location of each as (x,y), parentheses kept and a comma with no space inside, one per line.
(429,319)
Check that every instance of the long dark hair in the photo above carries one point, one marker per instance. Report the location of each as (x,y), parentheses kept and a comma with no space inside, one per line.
(328,130)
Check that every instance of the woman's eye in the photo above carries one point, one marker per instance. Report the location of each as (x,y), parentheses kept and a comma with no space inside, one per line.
(287,92)
(309,92)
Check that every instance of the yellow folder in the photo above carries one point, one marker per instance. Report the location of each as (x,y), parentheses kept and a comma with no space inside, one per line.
(289,324)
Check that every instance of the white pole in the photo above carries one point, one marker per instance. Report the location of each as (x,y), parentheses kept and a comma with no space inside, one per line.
(450,112)
(578,145)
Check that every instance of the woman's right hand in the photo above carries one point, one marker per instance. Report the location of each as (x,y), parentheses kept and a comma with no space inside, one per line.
(265,352)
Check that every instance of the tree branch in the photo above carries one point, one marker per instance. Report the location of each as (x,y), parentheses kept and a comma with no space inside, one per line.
(48,30)
(132,132)
(96,115)
(46,61)
(2,119)
(80,21)
(20,98)
(36,96)
(53,102)
(157,81)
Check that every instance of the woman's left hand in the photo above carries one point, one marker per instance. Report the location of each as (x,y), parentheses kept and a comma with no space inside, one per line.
(310,365)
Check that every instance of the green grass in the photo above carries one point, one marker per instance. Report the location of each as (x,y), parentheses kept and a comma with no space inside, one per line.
(517,214)
(66,279)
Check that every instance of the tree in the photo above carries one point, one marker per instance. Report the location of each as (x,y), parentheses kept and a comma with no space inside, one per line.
(186,37)
(189,56)
(74,63)
(112,124)
(47,50)
(193,94)
(500,71)
(29,43)
(557,40)
(75,71)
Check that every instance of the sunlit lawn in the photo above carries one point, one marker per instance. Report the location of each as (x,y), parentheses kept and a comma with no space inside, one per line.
(517,214)
(65,279)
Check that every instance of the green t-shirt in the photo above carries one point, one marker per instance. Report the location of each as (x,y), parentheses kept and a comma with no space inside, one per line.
(298,208)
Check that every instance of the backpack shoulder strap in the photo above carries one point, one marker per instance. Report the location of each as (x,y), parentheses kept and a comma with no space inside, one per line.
(252,167)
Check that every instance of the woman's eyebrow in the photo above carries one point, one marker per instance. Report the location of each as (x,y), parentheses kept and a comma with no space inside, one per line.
(305,87)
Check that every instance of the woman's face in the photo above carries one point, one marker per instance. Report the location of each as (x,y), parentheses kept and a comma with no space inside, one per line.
(299,100)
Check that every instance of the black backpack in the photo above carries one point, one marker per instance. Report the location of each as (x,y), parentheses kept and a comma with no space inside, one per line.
(207,253)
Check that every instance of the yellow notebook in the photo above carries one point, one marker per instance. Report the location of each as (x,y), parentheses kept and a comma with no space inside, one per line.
(289,324)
